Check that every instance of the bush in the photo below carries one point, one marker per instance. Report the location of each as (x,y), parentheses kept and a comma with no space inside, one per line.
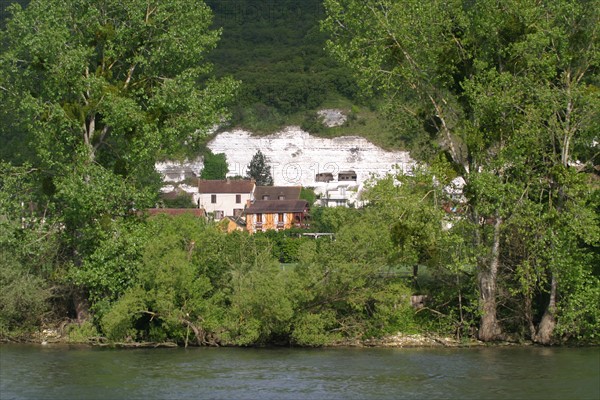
(23,298)
(81,333)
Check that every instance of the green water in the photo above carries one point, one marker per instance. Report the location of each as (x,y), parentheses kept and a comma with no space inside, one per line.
(61,372)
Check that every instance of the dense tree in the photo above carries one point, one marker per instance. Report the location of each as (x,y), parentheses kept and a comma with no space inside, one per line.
(215,165)
(171,295)
(504,90)
(101,89)
(260,170)
(277,51)
(28,252)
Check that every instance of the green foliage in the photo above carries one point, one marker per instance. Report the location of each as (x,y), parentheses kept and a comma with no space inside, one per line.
(115,263)
(579,315)
(182,200)
(276,50)
(331,219)
(308,194)
(315,329)
(81,333)
(28,252)
(23,299)
(98,94)
(259,170)
(173,292)
(312,123)
(508,92)
(94,95)
(261,308)
(215,166)
(119,323)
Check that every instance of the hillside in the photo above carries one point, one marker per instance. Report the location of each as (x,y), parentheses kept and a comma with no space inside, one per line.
(277,51)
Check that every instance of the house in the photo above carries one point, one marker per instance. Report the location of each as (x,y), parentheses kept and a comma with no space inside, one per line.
(276,214)
(339,194)
(232,223)
(224,197)
(277,192)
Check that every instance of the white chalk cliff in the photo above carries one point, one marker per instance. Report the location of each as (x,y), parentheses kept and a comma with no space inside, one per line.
(296,157)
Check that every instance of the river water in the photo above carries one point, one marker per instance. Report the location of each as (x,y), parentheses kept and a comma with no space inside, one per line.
(63,372)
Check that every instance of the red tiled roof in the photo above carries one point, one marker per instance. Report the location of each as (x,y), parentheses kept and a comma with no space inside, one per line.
(197,212)
(277,206)
(225,186)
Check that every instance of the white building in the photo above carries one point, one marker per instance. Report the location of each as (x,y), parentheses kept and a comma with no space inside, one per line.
(339,194)
(224,197)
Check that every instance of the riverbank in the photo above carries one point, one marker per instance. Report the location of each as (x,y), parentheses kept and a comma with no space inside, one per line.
(400,340)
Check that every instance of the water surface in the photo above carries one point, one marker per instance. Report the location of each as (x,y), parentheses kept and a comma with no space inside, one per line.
(62,372)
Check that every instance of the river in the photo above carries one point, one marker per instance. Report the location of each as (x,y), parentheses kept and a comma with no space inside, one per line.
(63,372)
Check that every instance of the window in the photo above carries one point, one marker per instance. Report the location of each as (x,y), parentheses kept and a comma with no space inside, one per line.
(280,217)
(281,197)
(213,198)
(265,197)
(238,198)
(258,217)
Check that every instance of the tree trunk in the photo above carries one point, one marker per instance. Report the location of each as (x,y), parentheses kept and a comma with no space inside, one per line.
(546,327)
(82,306)
(529,316)
(489,328)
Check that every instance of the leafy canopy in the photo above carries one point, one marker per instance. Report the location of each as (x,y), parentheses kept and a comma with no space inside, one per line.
(111,82)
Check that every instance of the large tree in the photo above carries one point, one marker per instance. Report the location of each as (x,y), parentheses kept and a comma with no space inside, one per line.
(507,91)
(100,89)
(111,82)
(260,170)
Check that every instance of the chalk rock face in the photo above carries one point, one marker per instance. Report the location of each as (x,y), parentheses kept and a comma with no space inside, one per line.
(174,171)
(296,157)
(332,117)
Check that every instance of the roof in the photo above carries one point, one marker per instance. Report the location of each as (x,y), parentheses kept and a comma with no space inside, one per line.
(174,194)
(197,212)
(288,192)
(277,206)
(225,186)
(239,221)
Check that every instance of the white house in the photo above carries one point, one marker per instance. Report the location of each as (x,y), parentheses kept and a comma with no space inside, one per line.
(336,194)
(224,197)
(341,192)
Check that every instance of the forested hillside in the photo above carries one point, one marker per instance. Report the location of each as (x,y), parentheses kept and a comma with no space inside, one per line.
(277,50)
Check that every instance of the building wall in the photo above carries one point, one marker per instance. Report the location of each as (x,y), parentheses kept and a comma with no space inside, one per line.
(225,202)
(269,221)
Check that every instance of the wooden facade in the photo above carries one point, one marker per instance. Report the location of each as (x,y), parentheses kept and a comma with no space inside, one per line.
(263,215)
